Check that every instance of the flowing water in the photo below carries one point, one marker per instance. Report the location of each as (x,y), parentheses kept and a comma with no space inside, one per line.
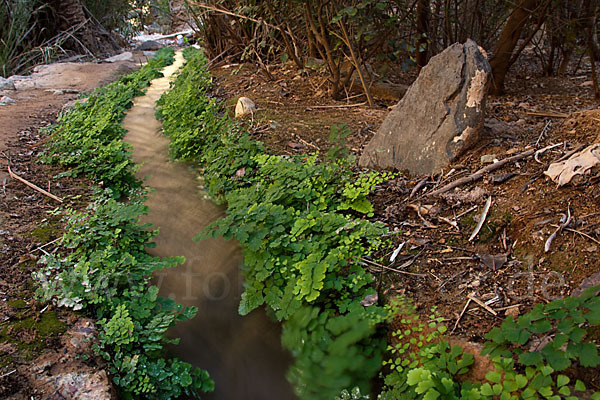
(242,354)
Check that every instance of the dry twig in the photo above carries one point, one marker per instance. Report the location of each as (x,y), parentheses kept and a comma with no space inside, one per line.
(558,230)
(480,173)
(31,185)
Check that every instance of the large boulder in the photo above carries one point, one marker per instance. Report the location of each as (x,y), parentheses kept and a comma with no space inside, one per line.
(440,116)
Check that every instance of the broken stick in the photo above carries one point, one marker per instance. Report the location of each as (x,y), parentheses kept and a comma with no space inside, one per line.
(480,173)
(31,185)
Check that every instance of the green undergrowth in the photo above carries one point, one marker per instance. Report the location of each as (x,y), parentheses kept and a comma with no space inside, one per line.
(88,139)
(302,224)
(103,268)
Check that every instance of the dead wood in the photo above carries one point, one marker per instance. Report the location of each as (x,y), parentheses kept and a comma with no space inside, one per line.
(31,185)
(480,173)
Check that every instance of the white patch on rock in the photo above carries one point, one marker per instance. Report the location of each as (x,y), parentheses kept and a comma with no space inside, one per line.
(477,89)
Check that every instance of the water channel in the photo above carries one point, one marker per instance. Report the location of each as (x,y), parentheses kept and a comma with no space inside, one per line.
(242,354)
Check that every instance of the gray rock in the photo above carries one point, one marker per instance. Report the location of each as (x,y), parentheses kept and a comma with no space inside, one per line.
(6,84)
(440,116)
(15,78)
(5,100)
(488,158)
(126,56)
(149,45)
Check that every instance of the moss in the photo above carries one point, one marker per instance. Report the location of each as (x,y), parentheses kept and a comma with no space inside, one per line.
(43,233)
(38,332)
(5,361)
(17,303)
(48,324)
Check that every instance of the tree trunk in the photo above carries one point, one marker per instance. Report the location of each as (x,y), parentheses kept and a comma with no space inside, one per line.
(500,61)
(87,32)
(591,17)
(422,29)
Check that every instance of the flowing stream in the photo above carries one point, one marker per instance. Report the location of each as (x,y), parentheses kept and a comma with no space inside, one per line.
(242,354)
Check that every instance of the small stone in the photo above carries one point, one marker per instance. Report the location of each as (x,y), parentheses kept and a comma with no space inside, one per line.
(512,312)
(149,45)
(488,158)
(592,249)
(369,300)
(58,92)
(244,107)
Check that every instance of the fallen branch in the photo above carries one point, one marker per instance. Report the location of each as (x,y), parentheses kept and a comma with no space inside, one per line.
(544,131)
(584,235)
(546,114)
(484,214)
(31,185)
(418,187)
(365,261)
(461,314)
(339,106)
(542,151)
(7,374)
(480,173)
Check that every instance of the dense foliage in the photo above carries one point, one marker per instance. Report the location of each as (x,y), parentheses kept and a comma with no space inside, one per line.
(372,36)
(299,222)
(104,268)
(528,355)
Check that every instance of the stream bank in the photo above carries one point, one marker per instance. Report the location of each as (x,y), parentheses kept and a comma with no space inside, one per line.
(242,354)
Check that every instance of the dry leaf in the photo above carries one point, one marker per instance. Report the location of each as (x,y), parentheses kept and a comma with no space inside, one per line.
(579,163)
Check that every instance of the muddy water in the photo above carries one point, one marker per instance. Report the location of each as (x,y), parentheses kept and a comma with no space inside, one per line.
(242,354)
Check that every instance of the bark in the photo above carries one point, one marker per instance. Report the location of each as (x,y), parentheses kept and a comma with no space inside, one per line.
(591,17)
(88,34)
(508,40)
(422,29)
